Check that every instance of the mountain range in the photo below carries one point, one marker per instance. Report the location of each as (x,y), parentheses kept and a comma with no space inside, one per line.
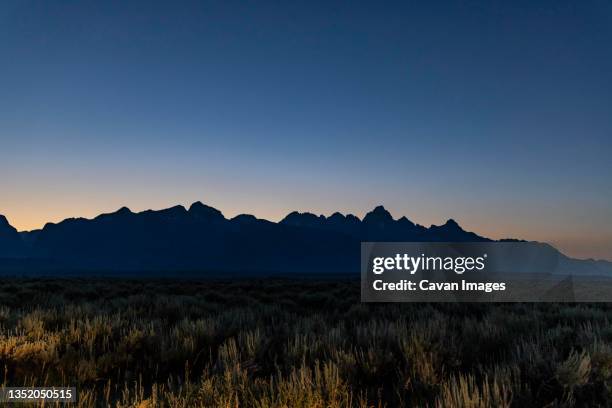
(201,239)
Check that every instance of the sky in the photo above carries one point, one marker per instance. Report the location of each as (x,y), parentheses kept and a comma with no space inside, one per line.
(496,114)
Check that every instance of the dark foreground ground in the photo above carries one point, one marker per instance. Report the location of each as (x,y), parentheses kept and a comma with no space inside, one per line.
(300,343)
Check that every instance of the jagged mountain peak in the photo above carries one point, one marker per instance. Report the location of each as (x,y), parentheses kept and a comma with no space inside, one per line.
(378,215)
(172,212)
(380,209)
(3,221)
(305,219)
(339,217)
(204,211)
(124,210)
(120,213)
(451,223)
(405,221)
(305,214)
(6,229)
(11,243)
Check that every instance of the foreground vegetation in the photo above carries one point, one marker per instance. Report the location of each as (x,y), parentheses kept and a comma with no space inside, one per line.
(291,343)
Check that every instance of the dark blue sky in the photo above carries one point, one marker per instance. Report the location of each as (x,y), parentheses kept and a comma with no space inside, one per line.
(498,114)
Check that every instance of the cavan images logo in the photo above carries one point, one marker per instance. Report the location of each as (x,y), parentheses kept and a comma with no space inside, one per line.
(405,263)
(495,271)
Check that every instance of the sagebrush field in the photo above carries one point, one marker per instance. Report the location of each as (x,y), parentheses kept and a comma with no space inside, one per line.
(296,343)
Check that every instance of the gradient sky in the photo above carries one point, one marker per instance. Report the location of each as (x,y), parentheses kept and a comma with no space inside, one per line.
(497,114)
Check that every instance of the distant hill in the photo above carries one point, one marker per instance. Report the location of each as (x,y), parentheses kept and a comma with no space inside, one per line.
(202,239)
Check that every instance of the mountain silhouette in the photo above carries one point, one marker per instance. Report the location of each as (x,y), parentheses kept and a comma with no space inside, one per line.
(11,243)
(202,239)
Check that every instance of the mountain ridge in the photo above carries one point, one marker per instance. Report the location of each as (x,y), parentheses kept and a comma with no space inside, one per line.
(202,238)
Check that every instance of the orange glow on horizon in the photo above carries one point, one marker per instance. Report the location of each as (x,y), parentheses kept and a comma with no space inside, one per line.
(585,245)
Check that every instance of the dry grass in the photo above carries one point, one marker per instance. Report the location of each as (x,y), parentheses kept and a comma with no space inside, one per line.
(283,343)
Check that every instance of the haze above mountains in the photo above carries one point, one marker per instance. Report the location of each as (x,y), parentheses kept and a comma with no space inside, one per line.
(202,239)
